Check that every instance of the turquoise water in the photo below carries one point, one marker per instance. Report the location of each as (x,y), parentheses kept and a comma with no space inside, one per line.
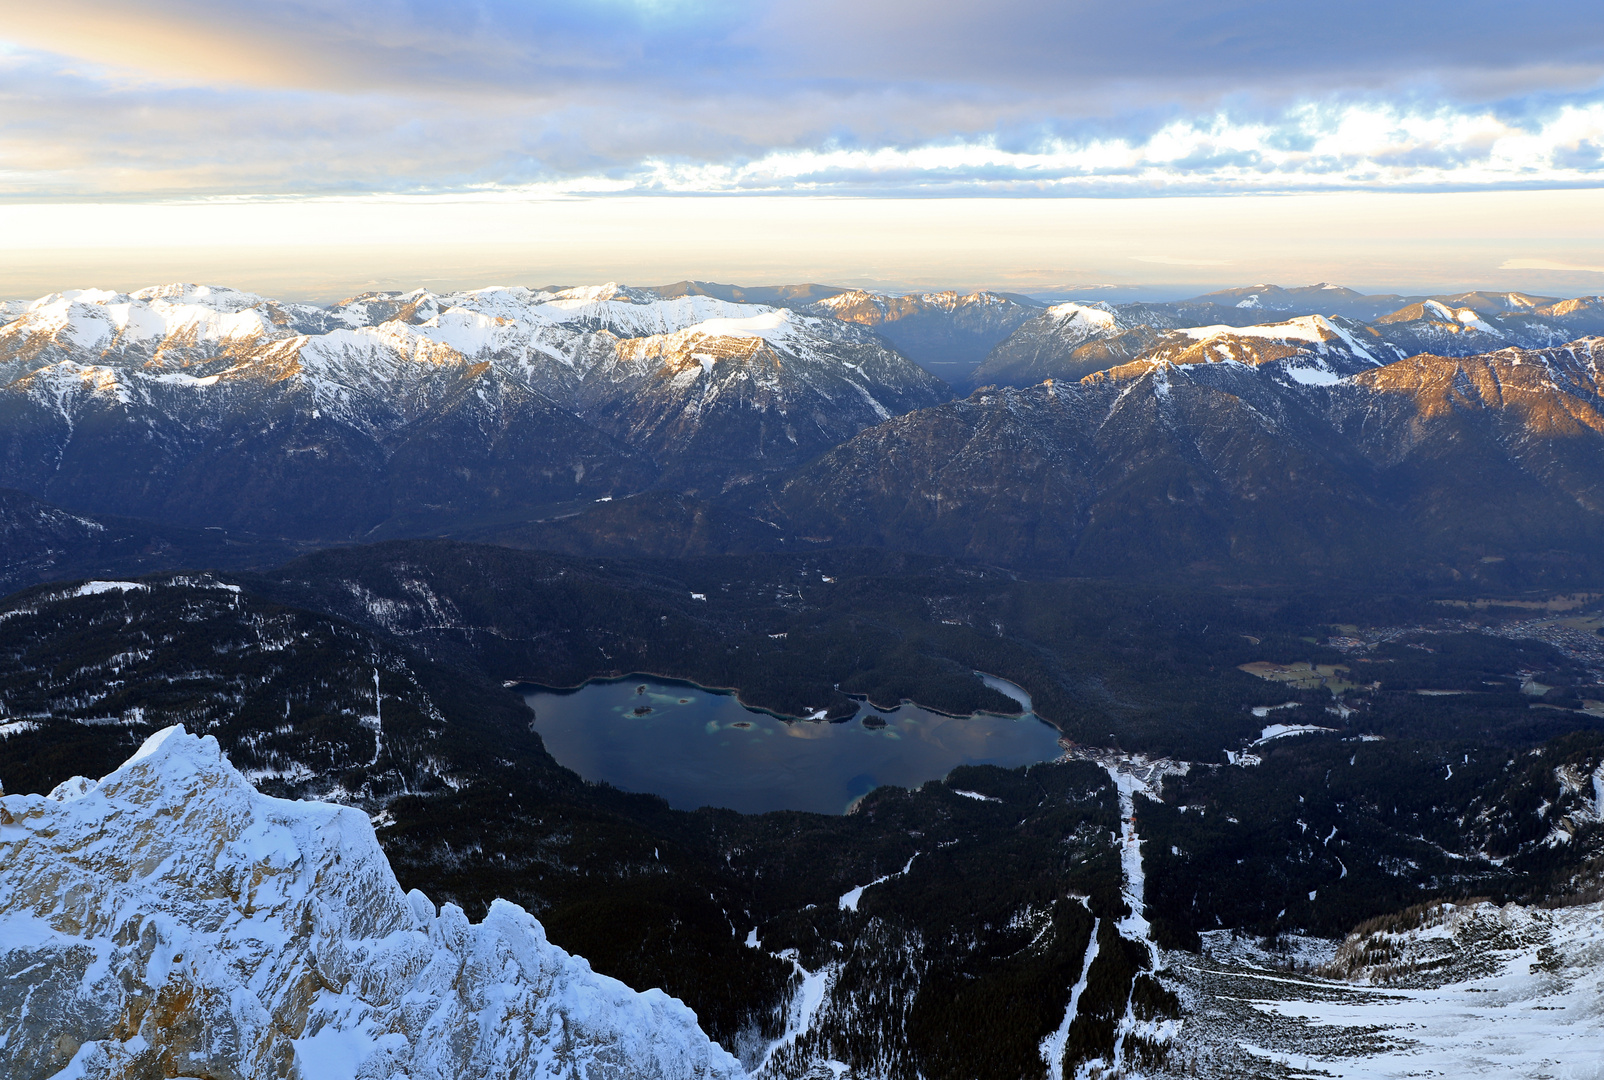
(699,748)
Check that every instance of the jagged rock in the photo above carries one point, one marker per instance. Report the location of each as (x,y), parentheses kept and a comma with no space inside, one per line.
(168,920)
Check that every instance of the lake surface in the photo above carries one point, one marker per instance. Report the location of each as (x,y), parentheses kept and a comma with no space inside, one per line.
(700,748)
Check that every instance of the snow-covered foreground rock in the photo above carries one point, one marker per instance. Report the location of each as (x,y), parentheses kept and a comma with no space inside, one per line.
(171,921)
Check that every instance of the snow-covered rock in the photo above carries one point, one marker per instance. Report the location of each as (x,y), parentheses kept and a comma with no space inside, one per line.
(1442,989)
(1310,349)
(168,920)
(1067,341)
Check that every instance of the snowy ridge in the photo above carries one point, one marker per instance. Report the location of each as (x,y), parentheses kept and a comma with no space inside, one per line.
(1310,350)
(170,920)
(621,311)
(1096,314)
(643,317)
(786,331)
(851,304)
(1316,330)
(1440,990)
(183,317)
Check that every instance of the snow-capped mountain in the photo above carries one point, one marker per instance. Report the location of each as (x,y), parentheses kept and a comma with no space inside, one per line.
(729,399)
(1257,303)
(1437,327)
(1335,330)
(167,324)
(1310,349)
(211,407)
(169,920)
(1432,326)
(1072,341)
(1067,341)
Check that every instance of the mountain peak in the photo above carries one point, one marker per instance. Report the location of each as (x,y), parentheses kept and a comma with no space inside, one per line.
(236,934)
(215,297)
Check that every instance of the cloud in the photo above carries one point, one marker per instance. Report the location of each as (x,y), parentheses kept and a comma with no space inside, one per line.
(1549,264)
(773,45)
(158,98)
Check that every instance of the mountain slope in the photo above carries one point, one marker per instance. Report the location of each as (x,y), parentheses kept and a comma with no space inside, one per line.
(169,919)
(725,400)
(1280,456)
(1320,299)
(1067,341)
(40,542)
(948,333)
(1172,466)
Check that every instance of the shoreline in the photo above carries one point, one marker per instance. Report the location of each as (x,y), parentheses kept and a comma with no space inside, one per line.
(1026,708)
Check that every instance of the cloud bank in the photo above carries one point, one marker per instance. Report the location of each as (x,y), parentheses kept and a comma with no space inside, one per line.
(872,97)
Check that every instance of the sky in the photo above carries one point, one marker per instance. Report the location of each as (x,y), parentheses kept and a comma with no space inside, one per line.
(1038,145)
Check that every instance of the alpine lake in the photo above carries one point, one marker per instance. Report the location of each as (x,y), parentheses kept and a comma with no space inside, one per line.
(698,747)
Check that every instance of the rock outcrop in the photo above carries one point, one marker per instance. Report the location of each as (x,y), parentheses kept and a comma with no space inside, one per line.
(168,920)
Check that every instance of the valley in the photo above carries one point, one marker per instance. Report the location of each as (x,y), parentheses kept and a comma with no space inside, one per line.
(1287,604)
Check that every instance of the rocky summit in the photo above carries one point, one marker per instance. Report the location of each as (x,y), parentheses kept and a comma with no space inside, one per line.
(168,920)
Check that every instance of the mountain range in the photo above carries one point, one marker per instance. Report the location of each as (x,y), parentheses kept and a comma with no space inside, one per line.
(1290,448)
(1305,581)
(210,407)
(1455,442)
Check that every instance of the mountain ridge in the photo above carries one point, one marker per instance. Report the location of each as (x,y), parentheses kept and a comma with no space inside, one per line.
(1155,465)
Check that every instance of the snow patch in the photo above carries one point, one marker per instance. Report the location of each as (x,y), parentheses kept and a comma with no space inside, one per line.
(95,588)
(1282,731)
(849,899)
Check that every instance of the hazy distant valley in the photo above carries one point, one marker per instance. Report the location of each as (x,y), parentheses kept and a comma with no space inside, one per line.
(1307,584)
